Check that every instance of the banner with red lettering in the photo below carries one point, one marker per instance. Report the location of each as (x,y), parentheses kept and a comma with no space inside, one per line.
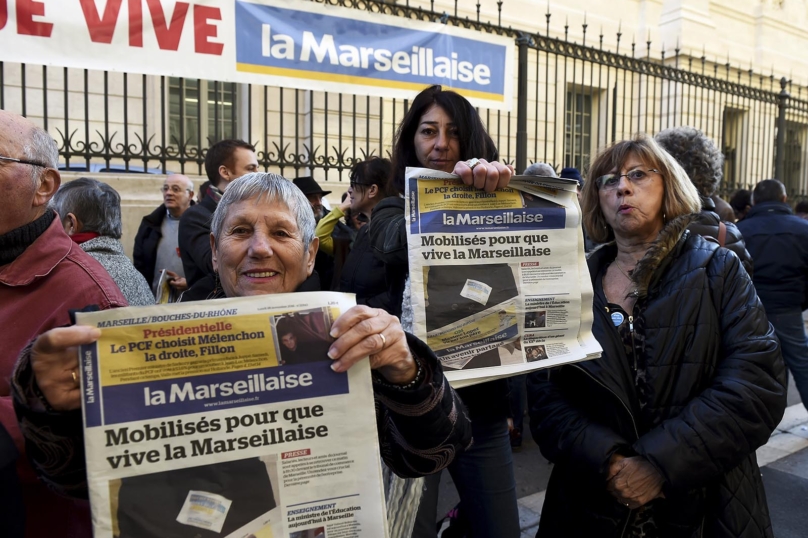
(287,43)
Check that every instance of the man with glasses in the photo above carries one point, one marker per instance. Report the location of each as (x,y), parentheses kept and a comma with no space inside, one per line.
(43,275)
(157,243)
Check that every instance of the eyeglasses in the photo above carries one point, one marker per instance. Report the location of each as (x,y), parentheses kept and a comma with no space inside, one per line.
(609,182)
(21,161)
(175,189)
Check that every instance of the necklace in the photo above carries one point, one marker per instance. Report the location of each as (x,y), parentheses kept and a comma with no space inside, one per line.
(632,289)
(625,274)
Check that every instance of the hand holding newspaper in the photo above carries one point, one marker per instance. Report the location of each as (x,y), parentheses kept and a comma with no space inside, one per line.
(500,283)
(224,418)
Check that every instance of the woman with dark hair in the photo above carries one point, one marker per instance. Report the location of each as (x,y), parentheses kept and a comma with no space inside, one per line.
(440,131)
(363,273)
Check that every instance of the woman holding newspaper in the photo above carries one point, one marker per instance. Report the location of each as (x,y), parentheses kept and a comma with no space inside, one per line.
(658,436)
(440,131)
(262,239)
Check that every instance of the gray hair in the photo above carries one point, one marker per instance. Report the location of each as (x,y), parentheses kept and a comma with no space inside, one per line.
(273,188)
(96,205)
(41,148)
(698,155)
(540,169)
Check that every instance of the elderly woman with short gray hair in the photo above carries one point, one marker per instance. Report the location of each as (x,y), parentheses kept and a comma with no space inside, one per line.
(262,239)
(91,215)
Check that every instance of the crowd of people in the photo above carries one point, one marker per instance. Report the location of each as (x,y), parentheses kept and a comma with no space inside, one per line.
(656,438)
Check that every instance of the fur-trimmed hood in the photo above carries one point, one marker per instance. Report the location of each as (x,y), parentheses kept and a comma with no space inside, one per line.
(657,254)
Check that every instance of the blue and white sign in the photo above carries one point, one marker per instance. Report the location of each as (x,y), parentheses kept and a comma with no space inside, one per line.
(287,43)
(339,49)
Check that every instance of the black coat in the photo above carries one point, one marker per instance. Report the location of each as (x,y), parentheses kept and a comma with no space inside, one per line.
(716,385)
(148,237)
(365,275)
(194,240)
(144,256)
(778,239)
(707,226)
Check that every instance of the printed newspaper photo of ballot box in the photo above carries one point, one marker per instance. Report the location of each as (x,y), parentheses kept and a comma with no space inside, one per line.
(224,419)
(499,280)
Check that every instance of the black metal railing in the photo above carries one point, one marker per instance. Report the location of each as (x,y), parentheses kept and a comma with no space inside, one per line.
(572,98)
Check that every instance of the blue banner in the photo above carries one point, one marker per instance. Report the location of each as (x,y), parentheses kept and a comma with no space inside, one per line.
(216,392)
(501,220)
(318,45)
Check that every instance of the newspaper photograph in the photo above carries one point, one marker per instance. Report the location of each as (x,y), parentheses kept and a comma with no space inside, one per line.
(498,278)
(224,419)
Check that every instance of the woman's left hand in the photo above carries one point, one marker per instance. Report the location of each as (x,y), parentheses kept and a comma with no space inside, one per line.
(363,331)
(634,481)
(489,176)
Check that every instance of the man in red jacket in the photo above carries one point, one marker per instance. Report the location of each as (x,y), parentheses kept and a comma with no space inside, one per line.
(43,274)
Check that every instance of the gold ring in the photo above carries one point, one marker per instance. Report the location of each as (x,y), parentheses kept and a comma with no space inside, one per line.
(471,163)
(75,378)
(384,340)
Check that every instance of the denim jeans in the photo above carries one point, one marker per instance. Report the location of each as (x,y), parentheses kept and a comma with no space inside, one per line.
(483,476)
(790,330)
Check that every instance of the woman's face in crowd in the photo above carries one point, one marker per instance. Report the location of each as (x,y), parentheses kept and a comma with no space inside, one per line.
(634,209)
(261,250)
(362,200)
(437,143)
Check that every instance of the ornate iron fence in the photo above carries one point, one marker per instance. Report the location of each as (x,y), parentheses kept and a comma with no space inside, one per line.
(572,98)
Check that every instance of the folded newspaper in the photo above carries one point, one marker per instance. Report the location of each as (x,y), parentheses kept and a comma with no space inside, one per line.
(224,419)
(163,291)
(499,280)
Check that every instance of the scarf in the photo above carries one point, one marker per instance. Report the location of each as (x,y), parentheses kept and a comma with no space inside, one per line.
(14,243)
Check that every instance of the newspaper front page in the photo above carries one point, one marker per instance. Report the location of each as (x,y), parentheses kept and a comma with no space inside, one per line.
(500,284)
(224,419)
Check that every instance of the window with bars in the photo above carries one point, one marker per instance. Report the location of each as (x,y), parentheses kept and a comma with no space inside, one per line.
(730,146)
(578,129)
(793,152)
(209,119)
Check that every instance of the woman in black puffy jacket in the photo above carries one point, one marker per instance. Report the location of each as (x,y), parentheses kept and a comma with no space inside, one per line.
(658,436)
(363,273)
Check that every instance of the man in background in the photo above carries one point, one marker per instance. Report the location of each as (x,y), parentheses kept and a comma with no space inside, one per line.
(778,242)
(225,161)
(157,241)
(323,263)
(314,194)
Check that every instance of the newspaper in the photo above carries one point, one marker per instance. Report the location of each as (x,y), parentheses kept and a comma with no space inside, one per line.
(164,292)
(224,418)
(500,283)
